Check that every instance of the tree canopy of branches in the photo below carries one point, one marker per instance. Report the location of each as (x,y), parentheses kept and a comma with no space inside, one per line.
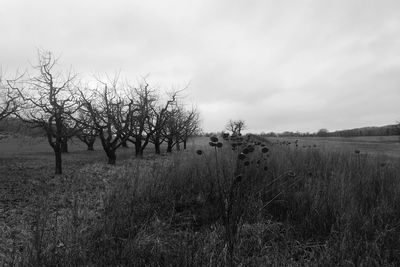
(110,115)
(179,126)
(85,129)
(235,126)
(144,101)
(114,112)
(46,101)
(8,100)
(190,125)
(158,122)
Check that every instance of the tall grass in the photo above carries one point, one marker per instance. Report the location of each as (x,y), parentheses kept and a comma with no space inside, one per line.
(288,207)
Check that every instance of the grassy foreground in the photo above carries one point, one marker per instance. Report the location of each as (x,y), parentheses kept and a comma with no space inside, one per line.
(286,207)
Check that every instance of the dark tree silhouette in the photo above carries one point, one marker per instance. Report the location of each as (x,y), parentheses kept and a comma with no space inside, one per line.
(8,100)
(144,100)
(157,122)
(235,127)
(191,125)
(179,126)
(110,114)
(86,130)
(47,102)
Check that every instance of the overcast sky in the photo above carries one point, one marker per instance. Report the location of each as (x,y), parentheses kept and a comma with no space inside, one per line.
(278,65)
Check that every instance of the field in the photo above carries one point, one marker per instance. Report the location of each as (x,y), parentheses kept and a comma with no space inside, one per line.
(373,145)
(322,205)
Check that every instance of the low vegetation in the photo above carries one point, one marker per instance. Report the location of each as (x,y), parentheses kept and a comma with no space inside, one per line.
(222,202)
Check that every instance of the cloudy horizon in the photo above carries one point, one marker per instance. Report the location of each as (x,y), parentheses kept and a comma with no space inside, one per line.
(280,66)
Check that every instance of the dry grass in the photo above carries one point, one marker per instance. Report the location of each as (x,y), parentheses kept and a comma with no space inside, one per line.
(310,207)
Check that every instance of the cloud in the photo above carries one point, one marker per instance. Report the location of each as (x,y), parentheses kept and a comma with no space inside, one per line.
(280,65)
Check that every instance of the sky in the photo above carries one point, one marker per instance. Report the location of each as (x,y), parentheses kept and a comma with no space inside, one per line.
(278,65)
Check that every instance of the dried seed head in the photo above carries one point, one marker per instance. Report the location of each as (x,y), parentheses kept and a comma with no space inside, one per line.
(251,149)
(264,150)
(238,178)
(246,151)
(199,152)
(219,144)
(225,135)
(265,168)
(211,143)
(246,163)
(357,151)
(241,156)
(214,139)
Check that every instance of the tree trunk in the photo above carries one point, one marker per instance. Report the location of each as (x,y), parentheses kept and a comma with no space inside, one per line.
(169,146)
(112,157)
(157,147)
(64,145)
(184,143)
(138,147)
(57,153)
(90,146)
(124,144)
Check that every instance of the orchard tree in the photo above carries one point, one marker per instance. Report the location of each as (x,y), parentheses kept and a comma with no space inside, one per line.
(172,128)
(46,101)
(191,125)
(158,121)
(110,114)
(180,125)
(8,100)
(86,130)
(144,100)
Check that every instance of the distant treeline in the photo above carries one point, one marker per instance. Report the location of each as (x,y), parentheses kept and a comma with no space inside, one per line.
(16,126)
(364,131)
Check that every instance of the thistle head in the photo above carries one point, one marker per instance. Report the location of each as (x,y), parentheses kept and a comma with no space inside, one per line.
(214,139)
(264,150)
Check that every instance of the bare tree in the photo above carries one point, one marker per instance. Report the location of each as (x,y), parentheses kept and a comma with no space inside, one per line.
(172,128)
(144,100)
(235,126)
(46,101)
(180,125)
(111,115)
(158,121)
(8,100)
(86,130)
(191,125)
